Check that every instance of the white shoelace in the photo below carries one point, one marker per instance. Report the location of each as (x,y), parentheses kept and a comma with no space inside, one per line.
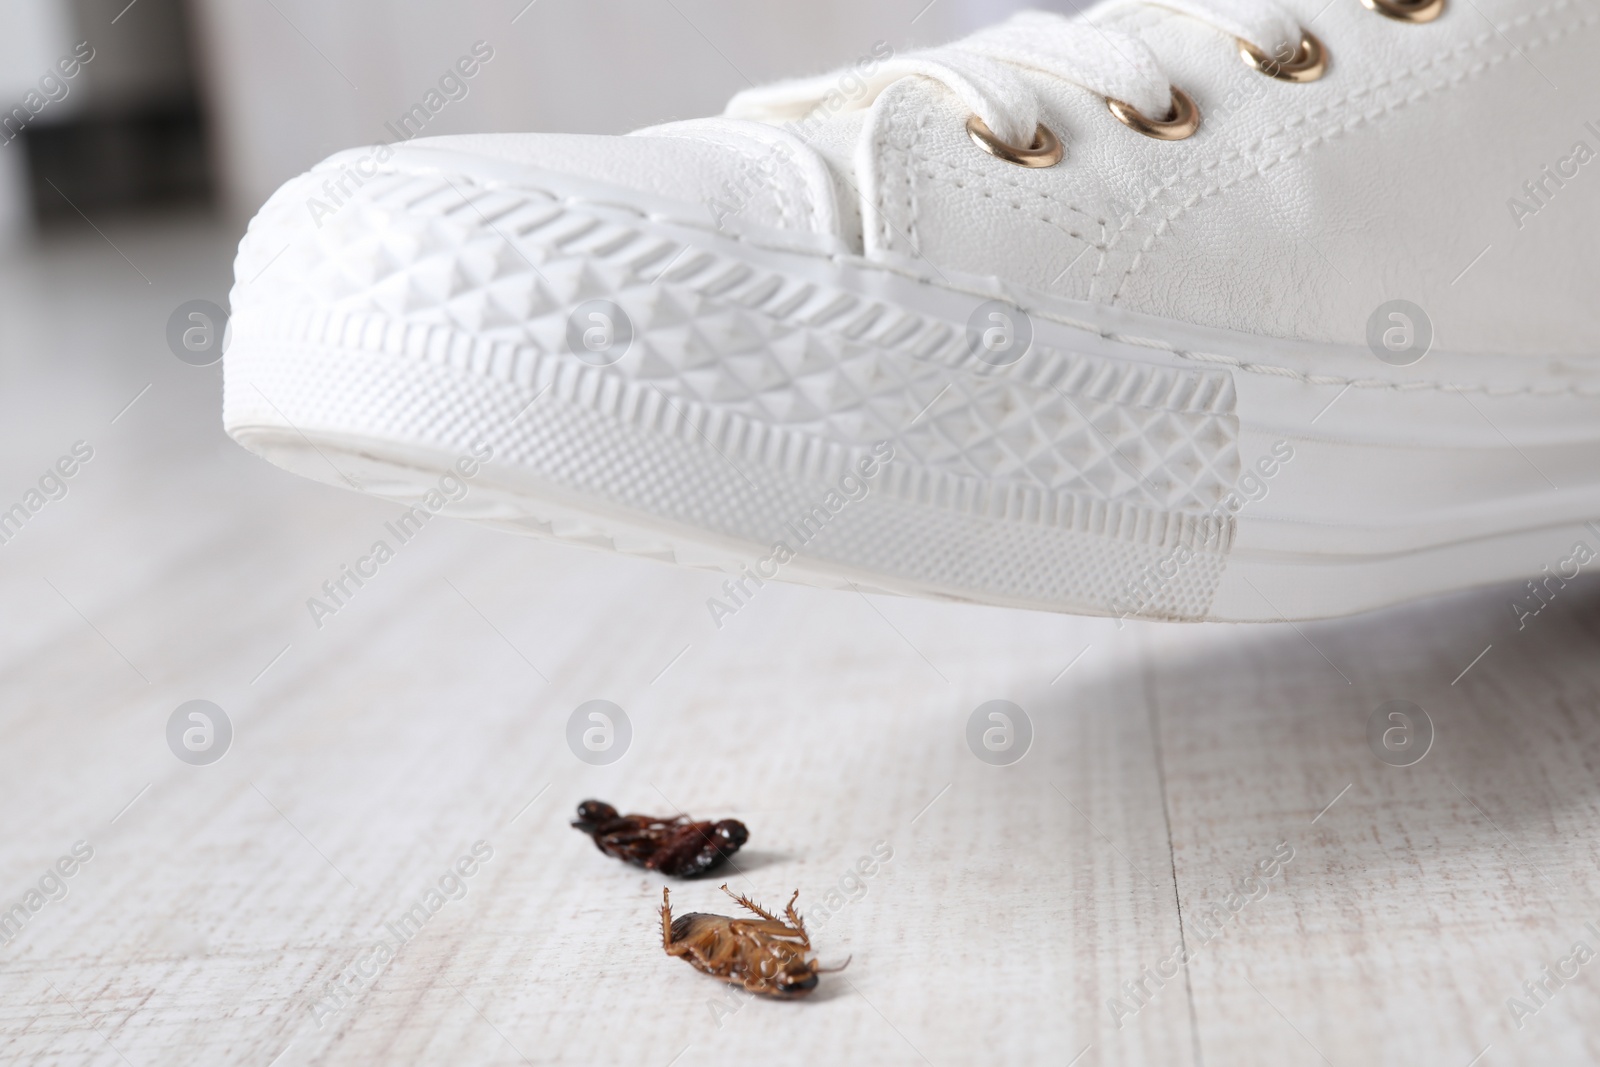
(984,69)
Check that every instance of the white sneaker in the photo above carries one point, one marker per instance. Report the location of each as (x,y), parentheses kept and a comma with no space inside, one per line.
(1338,348)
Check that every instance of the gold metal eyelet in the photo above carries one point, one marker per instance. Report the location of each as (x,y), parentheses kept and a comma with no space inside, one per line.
(1181,121)
(1045,151)
(1308,63)
(1408,10)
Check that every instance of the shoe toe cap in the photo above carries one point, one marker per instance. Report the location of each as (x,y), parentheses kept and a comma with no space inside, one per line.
(367,214)
(727,174)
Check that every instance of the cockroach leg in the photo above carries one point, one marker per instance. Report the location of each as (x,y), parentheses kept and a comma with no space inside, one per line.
(794,918)
(753,906)
(666,920)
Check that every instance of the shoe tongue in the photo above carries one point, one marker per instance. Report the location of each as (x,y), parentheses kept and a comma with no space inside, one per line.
(835,139)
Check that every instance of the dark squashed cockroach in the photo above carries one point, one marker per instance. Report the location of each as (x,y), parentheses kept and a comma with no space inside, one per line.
(767,955)
(678,846)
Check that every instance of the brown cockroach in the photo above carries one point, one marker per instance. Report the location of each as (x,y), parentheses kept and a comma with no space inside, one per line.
(767,955)
(677,846)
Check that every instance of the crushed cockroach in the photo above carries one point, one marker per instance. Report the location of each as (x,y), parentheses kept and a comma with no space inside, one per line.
(677,846)
(767,956)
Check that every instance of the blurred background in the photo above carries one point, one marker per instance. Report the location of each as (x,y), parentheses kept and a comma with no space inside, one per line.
(210,104)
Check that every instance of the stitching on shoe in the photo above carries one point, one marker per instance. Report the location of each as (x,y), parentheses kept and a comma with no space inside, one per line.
(986,185)
(1164,225)
(881,195)
(989,184)
(1369,383)
(989,194)
(908,222)
(894,124)
(896,117)
(911,176)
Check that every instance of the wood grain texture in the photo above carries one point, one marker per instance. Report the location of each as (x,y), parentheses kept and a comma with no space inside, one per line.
(223,903)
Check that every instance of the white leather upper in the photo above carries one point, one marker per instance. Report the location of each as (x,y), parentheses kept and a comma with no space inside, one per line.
(1294,211)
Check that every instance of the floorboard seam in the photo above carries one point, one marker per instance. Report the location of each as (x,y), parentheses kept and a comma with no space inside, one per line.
(1153,708)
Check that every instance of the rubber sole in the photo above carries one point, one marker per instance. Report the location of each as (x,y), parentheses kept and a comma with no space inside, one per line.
(794,413)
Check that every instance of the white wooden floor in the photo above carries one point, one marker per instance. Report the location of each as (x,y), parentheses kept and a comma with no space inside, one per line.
(223,902)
